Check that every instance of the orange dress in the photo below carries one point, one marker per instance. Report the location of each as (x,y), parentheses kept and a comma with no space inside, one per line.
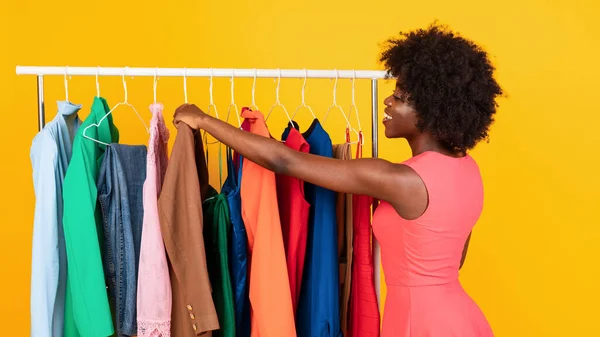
(270,297)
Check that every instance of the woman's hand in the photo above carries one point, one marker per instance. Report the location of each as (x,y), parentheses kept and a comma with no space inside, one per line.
(189,114)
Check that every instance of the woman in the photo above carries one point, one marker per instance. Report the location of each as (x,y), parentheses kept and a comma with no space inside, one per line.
(443,105)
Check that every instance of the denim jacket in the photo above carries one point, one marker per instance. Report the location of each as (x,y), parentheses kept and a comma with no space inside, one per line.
(120,188)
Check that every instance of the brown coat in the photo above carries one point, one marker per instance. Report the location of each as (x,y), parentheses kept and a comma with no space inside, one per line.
(180,209)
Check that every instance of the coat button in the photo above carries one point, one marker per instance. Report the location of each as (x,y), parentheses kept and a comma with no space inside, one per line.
(194,327)
(192,316)
(189,307)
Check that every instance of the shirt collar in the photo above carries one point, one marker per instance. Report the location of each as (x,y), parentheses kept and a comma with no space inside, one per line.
(68,122)
(67,108)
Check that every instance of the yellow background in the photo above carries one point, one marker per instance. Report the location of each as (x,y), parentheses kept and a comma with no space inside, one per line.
(535,255)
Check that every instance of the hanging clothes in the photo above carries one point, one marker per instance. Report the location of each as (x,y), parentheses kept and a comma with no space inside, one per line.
(270,299)
(319,304)
(238,247)
(217,228)
(180,209)
(87,311)
(50,156)
(154,299)
(364,310)
(120,188)
(293,210)
(345,237)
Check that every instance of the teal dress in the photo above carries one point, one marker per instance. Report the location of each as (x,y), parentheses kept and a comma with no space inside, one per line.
(217,227)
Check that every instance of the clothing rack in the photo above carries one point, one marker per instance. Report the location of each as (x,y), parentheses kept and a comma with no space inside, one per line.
(373,75)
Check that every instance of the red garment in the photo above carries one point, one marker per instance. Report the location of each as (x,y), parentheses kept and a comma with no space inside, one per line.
(293,210)
(364,310)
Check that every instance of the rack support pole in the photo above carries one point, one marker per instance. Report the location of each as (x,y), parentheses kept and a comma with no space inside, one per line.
(375,154)
(40,97)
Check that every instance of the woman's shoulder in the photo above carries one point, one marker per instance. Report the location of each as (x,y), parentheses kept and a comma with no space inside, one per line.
(433,158)
(437,165)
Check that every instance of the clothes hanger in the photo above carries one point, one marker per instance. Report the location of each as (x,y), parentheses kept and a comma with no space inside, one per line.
(185,95)
(70,116)
(185,85)
(66,84)
(97,82)
(156,108)
(353,106)
(211,104)
(335,105)
(125,103)
(254,106)
(303,103)
(232,104)
(277,102)
(155,83)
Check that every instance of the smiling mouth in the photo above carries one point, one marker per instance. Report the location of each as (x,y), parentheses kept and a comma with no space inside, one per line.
(386,117)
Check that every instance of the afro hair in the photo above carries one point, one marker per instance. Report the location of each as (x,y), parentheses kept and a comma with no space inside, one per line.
(448,80)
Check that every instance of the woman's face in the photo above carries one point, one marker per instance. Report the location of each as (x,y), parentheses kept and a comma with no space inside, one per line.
(400,119)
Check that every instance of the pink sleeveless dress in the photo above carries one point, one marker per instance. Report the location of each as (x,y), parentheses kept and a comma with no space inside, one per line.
(421,257)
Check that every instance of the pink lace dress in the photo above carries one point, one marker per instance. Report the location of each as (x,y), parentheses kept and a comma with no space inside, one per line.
(154,285)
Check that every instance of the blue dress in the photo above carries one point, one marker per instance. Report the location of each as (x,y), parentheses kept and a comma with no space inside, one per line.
(319,306)
(238,245)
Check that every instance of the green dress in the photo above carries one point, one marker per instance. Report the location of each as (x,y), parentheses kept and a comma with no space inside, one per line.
(217,228)
(87,310)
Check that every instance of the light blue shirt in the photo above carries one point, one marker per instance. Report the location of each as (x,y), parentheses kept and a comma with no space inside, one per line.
(50,155)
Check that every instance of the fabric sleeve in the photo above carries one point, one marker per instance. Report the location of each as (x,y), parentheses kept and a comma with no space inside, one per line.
(86,283)
(44,256)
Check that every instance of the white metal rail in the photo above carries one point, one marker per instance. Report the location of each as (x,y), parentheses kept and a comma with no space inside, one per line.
(201,72)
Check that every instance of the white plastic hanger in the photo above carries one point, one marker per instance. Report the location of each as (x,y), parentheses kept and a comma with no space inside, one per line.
(66,84)
(185,85)
(335,105)
(353,107)
(303,103)
(97,82)
(126,103)
(211,105)
(232,105)
(254,106)
(155,84)
(277,102)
